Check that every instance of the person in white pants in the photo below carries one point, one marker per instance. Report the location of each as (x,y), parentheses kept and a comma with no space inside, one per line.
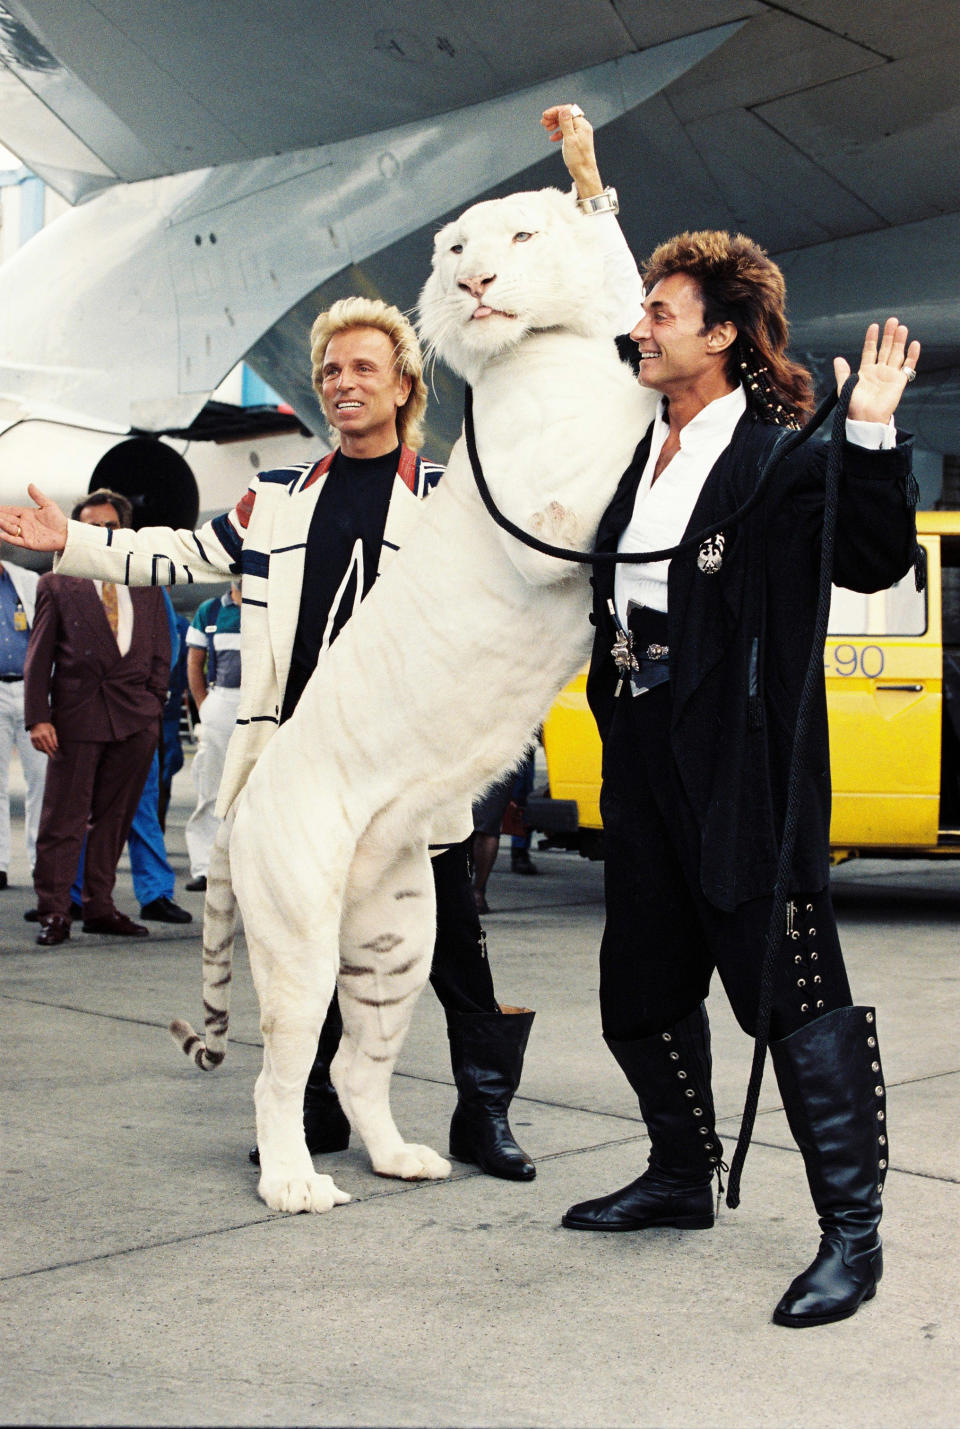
(18,593)
(213,674)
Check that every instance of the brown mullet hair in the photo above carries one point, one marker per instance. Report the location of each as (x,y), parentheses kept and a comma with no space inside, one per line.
(739,284)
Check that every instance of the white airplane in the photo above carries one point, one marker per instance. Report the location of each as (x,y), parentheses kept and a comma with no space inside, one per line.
(233,168)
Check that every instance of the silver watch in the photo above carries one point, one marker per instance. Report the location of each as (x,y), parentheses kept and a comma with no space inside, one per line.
(606,202)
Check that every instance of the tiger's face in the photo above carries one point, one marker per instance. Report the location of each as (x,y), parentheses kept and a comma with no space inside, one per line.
(505,268)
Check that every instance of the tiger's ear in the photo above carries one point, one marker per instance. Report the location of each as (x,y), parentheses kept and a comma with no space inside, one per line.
(441,238)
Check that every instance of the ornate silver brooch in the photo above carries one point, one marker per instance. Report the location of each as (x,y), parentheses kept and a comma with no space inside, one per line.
(622,652)
(710,555)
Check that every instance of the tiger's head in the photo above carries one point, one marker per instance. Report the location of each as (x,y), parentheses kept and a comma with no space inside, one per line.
(508,267)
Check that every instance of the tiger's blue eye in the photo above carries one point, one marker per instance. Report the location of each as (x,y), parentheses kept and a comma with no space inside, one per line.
(456,248)
(521,237)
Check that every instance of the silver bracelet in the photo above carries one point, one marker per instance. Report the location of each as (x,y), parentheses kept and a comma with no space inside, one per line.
(606,202)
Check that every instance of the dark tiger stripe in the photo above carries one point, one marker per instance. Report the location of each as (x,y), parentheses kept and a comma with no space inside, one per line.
(386,1001)
(383,942)
(211,951)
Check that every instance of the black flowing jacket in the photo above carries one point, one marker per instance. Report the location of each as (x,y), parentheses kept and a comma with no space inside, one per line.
(740,641)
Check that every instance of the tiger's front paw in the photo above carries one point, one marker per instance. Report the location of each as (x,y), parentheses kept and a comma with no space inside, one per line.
(413,1163)
(313,1193)
(558,526)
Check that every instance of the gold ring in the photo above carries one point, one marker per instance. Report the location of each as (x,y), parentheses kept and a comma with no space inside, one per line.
(19,529)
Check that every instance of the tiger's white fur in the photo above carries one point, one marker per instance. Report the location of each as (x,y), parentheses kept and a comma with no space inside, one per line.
(439,678)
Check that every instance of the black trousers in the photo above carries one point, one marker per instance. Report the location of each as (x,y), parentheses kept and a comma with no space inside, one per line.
(662,939)
(460,973)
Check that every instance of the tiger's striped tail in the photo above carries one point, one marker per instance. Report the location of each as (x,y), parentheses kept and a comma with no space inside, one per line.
(220,921)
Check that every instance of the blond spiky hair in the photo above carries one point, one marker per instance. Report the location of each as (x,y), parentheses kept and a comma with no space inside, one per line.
(371,312)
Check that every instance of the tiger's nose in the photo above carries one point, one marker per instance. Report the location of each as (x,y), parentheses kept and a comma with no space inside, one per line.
(477,285)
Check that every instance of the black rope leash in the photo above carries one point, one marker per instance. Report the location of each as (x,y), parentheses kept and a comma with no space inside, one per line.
(812,678)
(814,673)
(785,445)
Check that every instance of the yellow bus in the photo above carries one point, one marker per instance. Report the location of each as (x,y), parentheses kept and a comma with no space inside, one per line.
(892,668)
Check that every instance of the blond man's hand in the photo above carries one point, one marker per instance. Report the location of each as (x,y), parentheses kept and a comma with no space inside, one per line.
(41,527)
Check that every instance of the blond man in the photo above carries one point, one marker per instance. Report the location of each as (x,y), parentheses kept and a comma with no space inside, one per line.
(310,541)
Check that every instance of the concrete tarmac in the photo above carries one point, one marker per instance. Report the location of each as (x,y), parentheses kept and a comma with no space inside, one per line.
(143,1282)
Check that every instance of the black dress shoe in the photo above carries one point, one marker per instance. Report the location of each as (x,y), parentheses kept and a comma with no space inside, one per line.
(521,862)
(116,924)
(32,915)
(54,929)
(197,885)
(164,910)
(654,1199)
(3,879)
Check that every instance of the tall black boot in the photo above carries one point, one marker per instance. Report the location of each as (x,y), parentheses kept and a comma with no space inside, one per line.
(486,1052)
(325,1124)
(670,1073)
(832,1086)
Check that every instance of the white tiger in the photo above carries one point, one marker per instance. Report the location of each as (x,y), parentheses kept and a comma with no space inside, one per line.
(439,678)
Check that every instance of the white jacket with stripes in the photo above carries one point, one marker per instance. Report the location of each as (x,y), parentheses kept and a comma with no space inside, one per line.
(263,539)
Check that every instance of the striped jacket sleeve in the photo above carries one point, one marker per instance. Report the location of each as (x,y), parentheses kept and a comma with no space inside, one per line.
(158,555)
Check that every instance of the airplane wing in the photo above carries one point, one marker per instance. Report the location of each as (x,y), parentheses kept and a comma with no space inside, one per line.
(101,91)
(236,164)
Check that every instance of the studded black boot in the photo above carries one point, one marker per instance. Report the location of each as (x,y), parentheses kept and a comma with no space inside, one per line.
(670,1073)
(832,1086)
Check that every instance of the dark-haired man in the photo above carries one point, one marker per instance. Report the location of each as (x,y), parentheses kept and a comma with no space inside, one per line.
(695,684)
(95,682)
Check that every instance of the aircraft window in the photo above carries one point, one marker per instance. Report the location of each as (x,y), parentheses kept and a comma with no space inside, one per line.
(901,610)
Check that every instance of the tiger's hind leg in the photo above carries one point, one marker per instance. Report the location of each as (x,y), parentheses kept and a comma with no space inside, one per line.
(386,945)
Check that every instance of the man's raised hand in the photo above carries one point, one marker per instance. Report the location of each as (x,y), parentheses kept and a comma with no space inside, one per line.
(41,527)
(885,370)
(568,125)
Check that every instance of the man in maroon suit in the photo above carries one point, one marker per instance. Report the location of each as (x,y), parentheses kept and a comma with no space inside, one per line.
(95,682)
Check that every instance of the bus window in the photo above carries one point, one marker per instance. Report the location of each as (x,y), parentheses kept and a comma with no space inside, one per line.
(901,610)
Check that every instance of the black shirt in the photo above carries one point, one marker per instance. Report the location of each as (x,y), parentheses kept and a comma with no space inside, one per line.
(340,566)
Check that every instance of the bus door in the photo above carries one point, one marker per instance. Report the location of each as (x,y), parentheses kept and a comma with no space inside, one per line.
(883,668)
